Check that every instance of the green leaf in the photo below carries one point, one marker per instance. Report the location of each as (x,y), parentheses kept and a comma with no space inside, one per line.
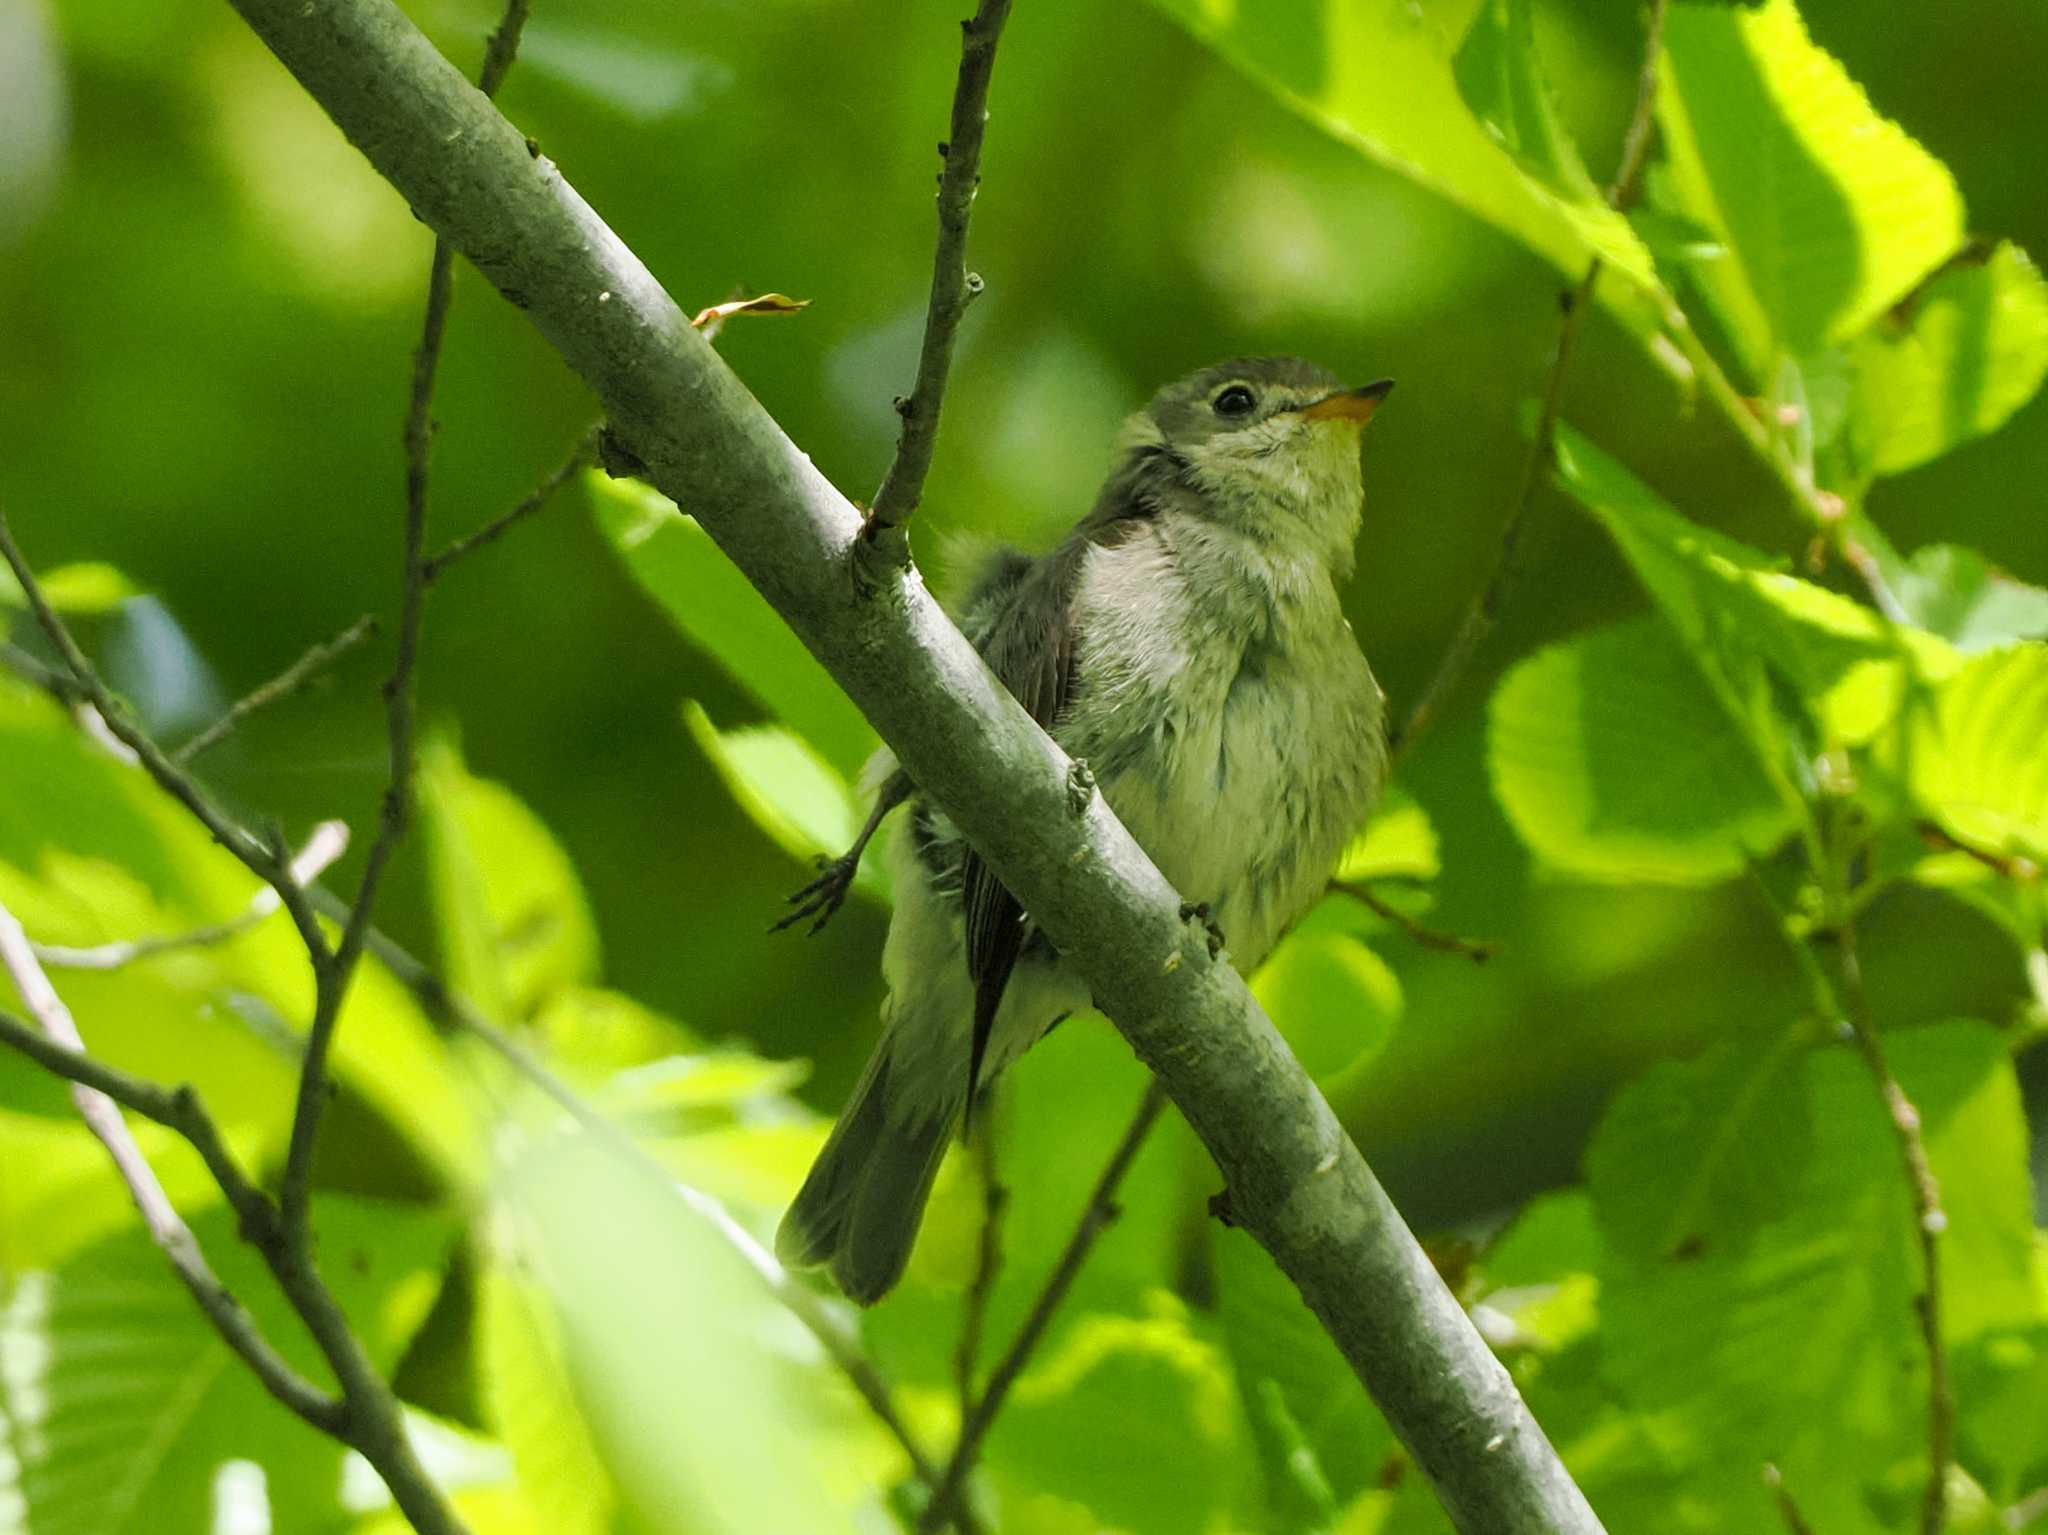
(1746,621)
(1978,764)
(82,590)
(1378,75)
(1954,592)
(515,925)
(1614,760)
(707,598)
(531,1405)
(1501,78)
(1397,842)
(1793,1341)
(1740,1112)
(127,1410)
(668,1335)
(1332,998)
(1131,1416)
(1829,212)
(800,800)
(1281,1355)
(1968,350)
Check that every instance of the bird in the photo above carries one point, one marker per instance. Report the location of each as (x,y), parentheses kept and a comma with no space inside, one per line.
(1187,640)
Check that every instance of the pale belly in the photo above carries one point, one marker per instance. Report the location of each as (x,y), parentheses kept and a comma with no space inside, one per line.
(1245,799)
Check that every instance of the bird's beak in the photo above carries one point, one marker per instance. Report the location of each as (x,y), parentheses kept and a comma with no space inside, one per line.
(1350,404)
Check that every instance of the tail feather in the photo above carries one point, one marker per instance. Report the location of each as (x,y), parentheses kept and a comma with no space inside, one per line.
(859,1210)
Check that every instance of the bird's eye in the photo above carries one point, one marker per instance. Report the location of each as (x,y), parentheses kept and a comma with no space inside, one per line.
(1237,400)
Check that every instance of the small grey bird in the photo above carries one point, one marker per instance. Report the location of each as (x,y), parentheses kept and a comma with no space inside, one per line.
(1187,642)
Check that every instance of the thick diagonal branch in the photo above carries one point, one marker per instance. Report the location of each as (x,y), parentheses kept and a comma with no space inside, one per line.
(1297,1183)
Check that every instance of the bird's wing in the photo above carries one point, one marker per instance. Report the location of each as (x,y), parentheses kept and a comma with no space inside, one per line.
(1029,644)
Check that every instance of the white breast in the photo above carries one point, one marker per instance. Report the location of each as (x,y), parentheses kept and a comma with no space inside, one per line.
(1230,718)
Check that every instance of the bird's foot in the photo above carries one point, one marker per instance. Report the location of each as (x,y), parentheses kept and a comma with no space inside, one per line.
(1198,911)
(824,895)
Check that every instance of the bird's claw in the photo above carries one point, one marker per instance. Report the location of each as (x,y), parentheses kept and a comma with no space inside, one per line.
(822,896)
(1198,911)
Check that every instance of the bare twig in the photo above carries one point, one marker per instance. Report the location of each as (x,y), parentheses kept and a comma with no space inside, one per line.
(1478,950)
(328,842)
(333,976)
(1101,1210)
(96,1089)
(953,288)
(1484,610)
(585,452)
(1929,1222)
(270,864)
(988,1263)
(1788,1509)
(2012,866)
(283,685)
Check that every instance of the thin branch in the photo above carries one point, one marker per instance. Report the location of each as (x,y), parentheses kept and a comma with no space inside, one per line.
(332,978)
(953,287)
(1297,1181)
(585,452)
(282,686)
(1478,950)
(1929,1222)
(1484,610)
(270,864)
(988,1263)
(1101,1210)
(2013,866)
(95,1089)
(1788,1509)
(328,842)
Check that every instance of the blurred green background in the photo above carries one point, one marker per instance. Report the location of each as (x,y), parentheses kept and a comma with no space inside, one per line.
(207,304)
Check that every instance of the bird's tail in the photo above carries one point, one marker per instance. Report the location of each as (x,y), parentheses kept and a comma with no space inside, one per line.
(859,1210)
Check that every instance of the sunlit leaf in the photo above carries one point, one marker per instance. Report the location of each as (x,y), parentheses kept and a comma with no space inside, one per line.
(1614,760)
(530,1402)
(669,1336)
(1397,842)
(1954,592)
(1829,212)
(1378,75)
(1502,80)
(514,922)
(790,792)
(710,601)
(1968,351)
(79,590)
(1979,765)
(1332,998)
(1749,625)
(126,1408)
(1131,1416)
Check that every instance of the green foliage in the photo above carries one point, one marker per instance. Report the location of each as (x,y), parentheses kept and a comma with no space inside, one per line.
(1827,212)
(125,1412)
(1733,1281)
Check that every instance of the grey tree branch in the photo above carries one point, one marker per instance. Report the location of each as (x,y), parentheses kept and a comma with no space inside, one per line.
(1095,1219)
(96,1090)
(953,286)
(283,685)
(1484,611)
(1297,1183)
